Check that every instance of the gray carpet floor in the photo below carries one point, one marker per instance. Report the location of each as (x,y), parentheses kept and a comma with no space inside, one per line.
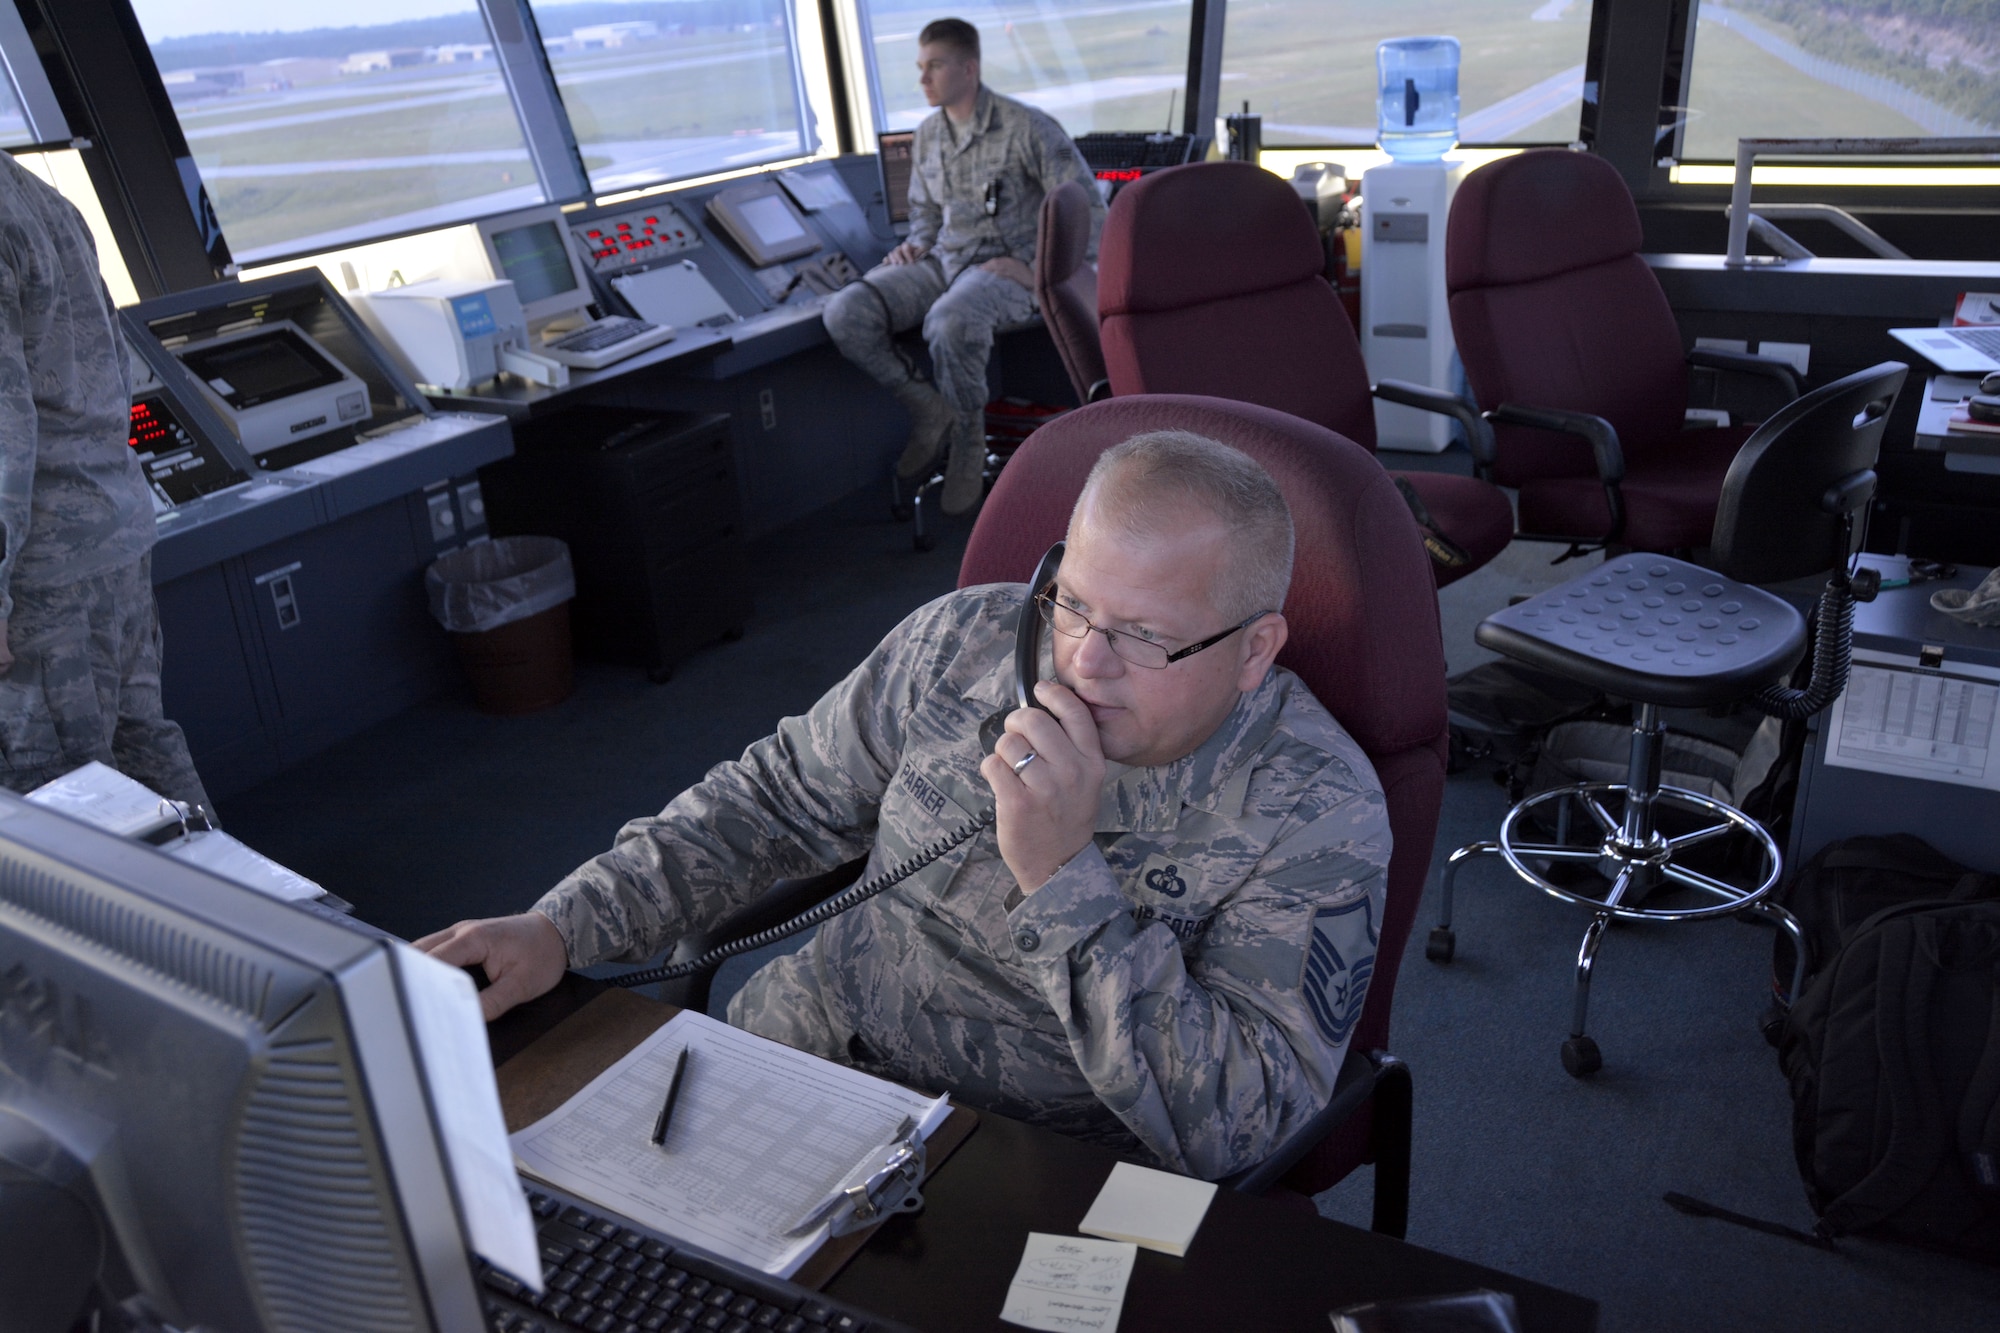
(444,813)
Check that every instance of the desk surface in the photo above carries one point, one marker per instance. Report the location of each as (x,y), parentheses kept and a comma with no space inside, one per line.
(1256,1263)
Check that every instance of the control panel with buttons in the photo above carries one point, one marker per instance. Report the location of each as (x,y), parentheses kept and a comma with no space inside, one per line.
(635,238)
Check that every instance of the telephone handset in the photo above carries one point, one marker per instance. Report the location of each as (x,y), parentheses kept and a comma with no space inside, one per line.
(1028,633)
(1027,667)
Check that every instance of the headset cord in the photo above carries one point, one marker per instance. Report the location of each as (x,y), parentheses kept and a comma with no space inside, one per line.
(832,907)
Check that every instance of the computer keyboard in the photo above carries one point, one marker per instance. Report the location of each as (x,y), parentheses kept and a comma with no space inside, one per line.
(1980,340)
(605,333)
(1123,150)
(605,1275)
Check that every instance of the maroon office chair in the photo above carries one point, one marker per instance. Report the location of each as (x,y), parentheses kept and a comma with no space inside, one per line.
(1211,281)
(1364,638)
(1572,351)
(1066,288)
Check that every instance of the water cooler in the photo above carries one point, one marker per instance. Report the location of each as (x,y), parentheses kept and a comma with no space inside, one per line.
(1405,325)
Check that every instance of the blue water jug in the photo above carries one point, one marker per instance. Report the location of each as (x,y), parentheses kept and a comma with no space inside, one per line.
(1419,97)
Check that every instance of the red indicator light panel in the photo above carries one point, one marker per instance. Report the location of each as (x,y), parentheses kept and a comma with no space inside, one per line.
(620,242)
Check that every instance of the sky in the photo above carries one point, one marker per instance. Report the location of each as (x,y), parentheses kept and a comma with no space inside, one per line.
(162,19)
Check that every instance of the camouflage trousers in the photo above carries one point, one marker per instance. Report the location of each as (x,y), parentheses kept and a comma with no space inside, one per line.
(959,320)
(85,685)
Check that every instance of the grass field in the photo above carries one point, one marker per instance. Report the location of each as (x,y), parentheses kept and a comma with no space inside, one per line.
(1308,62)
(1739,89)
(707,86)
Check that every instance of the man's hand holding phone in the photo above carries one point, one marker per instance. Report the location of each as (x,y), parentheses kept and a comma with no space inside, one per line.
(1045,807)
(523,956)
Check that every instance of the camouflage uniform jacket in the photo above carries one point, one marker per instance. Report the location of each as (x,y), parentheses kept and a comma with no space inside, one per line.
(1023,153)
(1185,987)
(73,503)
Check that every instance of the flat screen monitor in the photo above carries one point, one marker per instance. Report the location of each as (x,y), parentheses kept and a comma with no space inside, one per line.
(893,150)
(532,251)
(273,364)
(213,1101)
(762,219)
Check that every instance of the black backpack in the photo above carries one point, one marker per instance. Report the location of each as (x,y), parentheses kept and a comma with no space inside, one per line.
(1893,1048)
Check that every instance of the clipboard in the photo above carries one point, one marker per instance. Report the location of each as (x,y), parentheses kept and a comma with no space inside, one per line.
(556,1066)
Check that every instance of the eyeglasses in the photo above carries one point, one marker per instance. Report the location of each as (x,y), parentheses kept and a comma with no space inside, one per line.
(1129,647)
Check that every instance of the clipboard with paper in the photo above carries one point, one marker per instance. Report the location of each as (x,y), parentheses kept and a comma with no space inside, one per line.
(763,1138)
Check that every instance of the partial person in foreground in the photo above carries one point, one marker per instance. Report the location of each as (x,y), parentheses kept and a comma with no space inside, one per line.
(79,631)
(979,168)
(1162,935)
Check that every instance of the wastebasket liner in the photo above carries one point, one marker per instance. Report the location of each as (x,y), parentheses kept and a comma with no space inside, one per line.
(483,587)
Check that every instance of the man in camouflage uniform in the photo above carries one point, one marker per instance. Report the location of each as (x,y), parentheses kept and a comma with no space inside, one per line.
(1161,936)
(79,633)
(979,168)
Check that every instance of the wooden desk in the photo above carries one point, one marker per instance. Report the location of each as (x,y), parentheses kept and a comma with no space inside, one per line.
(1256,1263)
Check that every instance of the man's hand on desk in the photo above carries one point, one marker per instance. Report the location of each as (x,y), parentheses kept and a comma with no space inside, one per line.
(906,253)
(1045,808)
(1013,269)
(523,957)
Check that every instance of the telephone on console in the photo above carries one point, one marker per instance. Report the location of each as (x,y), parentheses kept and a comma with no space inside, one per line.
(1027,669)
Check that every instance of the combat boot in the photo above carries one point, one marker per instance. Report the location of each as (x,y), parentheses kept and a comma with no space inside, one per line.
(930,425)
(965,477)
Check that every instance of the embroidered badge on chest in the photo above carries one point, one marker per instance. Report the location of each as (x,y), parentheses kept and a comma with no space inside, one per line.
(1339,962)
(1169,877)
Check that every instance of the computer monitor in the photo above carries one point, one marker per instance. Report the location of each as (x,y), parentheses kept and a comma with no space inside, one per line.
(531,249)
(893,152)
(762,219)
(213,1102)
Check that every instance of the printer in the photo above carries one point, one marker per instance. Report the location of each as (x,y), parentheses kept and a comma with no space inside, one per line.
(453,334)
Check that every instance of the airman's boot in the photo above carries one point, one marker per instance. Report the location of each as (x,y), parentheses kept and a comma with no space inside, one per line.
(965,477)
(930,423)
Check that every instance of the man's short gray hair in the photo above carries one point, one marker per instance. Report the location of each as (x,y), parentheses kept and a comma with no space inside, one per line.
(1147,486)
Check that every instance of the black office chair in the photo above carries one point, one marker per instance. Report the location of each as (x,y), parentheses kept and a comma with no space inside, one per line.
(1664,633)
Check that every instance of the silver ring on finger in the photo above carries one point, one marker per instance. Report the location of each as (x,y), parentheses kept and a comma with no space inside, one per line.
(1024,761)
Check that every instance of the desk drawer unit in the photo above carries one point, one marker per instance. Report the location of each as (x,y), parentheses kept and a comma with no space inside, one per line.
(648,503)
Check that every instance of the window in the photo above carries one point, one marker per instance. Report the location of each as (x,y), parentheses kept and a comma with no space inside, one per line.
(1120,66)
(664,89)
(1308,66)
(309,136)
(14,128)
(1785,69)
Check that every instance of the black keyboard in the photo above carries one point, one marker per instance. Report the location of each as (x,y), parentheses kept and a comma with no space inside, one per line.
(1123,150)
(605,1275)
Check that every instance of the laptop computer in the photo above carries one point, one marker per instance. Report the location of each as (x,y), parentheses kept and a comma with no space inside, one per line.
(1960,351)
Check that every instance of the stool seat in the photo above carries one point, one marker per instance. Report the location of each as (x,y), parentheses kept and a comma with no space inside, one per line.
(1655,630)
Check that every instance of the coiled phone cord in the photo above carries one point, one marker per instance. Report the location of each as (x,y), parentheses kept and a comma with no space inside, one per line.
(832,907)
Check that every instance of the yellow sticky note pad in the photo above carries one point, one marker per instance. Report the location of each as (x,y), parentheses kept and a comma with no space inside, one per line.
(1153,1209)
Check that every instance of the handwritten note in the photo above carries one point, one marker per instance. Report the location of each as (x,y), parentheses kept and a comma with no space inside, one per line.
(1065,1283)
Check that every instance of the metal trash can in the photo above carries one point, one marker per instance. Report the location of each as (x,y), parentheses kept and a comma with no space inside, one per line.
(506,605)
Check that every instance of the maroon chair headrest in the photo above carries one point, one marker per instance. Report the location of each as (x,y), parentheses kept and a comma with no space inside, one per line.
(1505,212)
(1063,244)
(1363,604)
(1192,249)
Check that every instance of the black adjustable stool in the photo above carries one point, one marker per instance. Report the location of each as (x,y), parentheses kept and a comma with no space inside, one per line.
(1664,633)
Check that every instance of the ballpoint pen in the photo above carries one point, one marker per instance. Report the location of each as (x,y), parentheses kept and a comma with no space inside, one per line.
(673,1092)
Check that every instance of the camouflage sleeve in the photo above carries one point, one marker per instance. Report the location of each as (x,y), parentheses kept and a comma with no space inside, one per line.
(1214,1056)
(798,802)
(20,427)
(1057,159)
(926,210)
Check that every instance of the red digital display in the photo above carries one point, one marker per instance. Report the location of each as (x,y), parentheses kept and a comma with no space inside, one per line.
(148,428)
(1119,174)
